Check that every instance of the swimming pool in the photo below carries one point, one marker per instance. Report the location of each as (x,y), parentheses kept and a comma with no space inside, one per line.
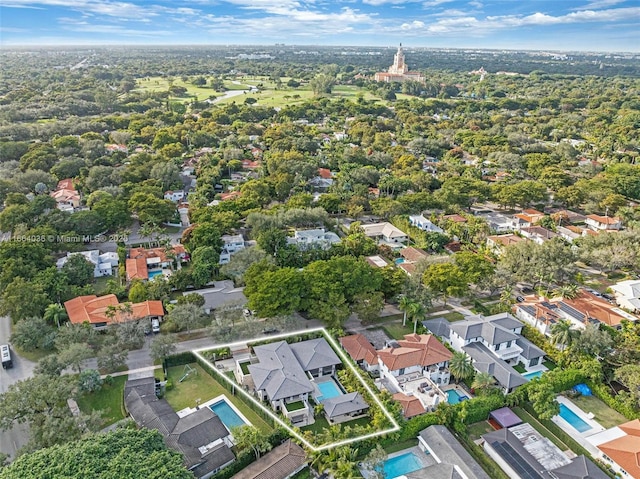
(399,261)
(572,418)
(401,465)
(153,274)
(530,376)
(454,397)
(328,390)
(227,415)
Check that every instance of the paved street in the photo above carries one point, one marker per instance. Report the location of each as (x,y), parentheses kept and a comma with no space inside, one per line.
(13,439)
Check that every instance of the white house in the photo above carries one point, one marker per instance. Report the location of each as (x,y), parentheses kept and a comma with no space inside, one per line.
(314,238)
(103,264)
(419,221)
(386,233)
(231,244)
(628,294)
(494,343)
(174,196)
(416,356)
(602,223)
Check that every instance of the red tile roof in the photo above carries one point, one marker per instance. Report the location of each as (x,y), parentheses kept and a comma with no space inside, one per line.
(456,218)
(625,450)
(411,405)
(93,309)
(413,254)
(232,195)
(359,348)
(605,220)
(136,268)
(415,350)
(325,173)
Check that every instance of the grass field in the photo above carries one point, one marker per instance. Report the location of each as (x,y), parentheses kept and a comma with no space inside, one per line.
(204,387)
(606,416)
(478,429)
(453,316)
(109,400)
(397,331)
(267,96)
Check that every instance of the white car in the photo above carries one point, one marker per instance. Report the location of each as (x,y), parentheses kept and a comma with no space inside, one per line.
(155,325)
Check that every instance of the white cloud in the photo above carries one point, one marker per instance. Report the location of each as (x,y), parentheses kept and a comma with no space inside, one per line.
(435,3)
(475,4)
(378,3)
(412,26)
(597,4)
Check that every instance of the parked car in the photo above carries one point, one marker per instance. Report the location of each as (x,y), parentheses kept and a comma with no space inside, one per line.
(519,299)
(270,331)
(608,296)
(155,325)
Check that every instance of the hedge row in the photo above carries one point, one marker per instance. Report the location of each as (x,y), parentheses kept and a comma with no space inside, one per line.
(601,391)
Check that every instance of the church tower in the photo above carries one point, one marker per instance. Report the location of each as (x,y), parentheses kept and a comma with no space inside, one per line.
(399,67)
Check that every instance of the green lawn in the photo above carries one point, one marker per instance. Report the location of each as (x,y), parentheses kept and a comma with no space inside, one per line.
(606,416)
(397,331)
(317,427)
(204,387)
(478,429)
(35,355)
(161,84)
(100,284)
(109,400)
(453,316)
(294,406)
(550,365)
(520,368)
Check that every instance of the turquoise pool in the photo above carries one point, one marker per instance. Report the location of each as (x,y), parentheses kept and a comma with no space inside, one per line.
(153,274)
(227,415)
(454,397)
(572,418)
(399,261)
(328,390)
(530,376)
(401,465)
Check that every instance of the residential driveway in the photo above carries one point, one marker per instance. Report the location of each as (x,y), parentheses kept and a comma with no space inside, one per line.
(18,436)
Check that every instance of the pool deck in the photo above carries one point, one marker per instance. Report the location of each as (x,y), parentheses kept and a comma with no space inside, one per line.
(569,429)
(425,459)
(222,397)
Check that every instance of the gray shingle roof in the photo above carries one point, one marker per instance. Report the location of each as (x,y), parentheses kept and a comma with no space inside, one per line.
(484,361)
(185,435)
(438,326)
(494,329)
(314,354)
(278,371)
(529,350)
(450,451)
(436,471)
(344,404)
(579,468)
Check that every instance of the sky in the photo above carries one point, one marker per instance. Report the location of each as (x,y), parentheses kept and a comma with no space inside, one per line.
(563,25)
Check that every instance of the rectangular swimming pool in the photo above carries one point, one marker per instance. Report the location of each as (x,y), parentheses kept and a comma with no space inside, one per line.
(153,274)
(328,390)
(454,397)
(572,418)
(227,415)
(401,465)
(530,376)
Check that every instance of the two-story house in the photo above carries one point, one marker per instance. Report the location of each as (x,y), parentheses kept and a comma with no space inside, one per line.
(315,238)
(415,356)
(497,243)
(175,196)
(603,223)
(494,344)
(420,222)
(386,233)
(281,374)
(526,219)
(231,244)
(361,351)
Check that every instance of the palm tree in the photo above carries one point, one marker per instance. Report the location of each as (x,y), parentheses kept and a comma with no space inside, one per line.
(417,313)
(460,366)
(483,382)
(562,333)
(55,312)
(404,304)
(568,291)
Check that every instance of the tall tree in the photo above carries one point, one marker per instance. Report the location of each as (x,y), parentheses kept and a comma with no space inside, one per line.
(250,437)
(460,366)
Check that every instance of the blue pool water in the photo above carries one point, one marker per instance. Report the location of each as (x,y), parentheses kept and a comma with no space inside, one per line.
(399,261)
(153,274)
(530,376)
(401,465)
(454,397)
(329,390)
(572,418)
(226,414)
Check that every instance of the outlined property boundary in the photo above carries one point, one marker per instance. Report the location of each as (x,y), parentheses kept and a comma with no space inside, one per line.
(346,361)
